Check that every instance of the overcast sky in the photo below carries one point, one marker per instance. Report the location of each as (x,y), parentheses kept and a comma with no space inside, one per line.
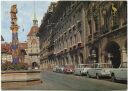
(25,15)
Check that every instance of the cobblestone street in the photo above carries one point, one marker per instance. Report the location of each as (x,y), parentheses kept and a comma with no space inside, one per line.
(58,81)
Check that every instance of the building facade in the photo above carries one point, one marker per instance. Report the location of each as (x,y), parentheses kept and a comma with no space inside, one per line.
(46,39)
(84,32)
(6,54)
(33,45)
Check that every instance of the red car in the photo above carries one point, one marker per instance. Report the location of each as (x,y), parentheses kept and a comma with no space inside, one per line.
(69,69)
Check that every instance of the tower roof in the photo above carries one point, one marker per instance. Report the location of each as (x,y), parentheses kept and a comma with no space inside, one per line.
(33,30)
(2,39)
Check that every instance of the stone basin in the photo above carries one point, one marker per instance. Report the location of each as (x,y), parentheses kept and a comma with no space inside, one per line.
(11,79)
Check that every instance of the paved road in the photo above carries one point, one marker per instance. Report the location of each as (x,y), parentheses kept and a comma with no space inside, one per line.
(58,81)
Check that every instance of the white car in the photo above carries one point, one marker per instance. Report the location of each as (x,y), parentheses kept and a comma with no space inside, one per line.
(61,69)
(119,73)
(55,68)
(81,69)
(99,70)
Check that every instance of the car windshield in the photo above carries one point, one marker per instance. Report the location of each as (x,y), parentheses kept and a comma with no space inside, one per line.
(124,65)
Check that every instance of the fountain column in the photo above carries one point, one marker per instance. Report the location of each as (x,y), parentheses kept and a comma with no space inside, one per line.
(14,29)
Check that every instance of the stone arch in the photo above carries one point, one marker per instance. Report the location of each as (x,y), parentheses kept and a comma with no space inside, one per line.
(113,49)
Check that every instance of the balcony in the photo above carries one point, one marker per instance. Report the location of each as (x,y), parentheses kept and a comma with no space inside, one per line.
(70,49)
(80,45)
(75,47)
(65,49)
(61,52)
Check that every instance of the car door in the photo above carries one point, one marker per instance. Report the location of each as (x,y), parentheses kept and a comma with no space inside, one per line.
(92,72)
(124,71)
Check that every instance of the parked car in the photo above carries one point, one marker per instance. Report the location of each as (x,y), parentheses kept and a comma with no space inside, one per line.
(58,69)
(99,70)
(55,68)
(69,69)
(81,69)
(61,69)
(119,73)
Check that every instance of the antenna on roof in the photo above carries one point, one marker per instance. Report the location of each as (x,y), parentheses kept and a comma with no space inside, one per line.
(34,11)
(35,22)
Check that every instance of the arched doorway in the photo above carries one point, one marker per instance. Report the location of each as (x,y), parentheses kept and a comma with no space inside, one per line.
(34,65)
(113,49)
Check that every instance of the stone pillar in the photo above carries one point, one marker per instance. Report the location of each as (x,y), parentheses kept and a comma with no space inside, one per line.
(70,59)
(100,53)
(57,62)
(73,61)
(124,54)
(79,59)
(64,59)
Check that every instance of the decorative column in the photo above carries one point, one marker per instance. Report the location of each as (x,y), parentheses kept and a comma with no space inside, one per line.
(14,28)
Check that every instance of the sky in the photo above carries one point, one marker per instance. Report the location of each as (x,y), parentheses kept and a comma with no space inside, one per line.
(25,16)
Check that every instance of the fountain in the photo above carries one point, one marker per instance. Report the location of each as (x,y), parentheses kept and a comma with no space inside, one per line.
(16,79)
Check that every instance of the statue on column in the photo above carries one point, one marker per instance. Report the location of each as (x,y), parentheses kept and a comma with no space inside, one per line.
(14,28)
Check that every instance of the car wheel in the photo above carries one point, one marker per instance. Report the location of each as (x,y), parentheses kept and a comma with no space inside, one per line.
(113,79)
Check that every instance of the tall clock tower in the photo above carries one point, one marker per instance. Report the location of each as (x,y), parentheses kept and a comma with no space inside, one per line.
(33,44)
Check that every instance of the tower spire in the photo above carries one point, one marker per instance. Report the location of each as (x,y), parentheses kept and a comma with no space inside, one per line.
(35,21)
